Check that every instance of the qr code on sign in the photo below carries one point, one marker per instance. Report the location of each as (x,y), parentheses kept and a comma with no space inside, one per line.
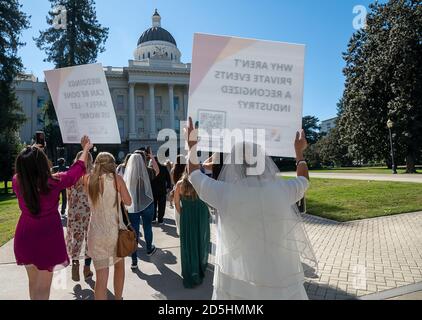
(209,120)
(71,129)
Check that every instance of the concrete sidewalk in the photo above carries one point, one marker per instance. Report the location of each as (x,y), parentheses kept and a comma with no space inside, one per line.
(158,276)
(377,258)
(415,178)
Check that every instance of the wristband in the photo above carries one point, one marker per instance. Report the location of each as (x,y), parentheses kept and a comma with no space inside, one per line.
(301,161)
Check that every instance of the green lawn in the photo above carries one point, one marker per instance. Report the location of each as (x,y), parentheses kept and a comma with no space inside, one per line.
(340,200)
(346,200)
(9,214)
(369,170)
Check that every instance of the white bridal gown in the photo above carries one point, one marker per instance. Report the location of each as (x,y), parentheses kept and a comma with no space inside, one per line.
(260,238)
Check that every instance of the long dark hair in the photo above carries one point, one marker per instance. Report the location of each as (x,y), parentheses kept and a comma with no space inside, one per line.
(124,163)
(179,168)
(33,170)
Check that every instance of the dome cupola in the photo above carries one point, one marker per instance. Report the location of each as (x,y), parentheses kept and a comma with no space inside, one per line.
(156,33)
(156,42)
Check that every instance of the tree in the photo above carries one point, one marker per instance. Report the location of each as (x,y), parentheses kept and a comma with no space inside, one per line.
(79,43)
(328,151)
(10,145)
(312,128)
(312,156)
(332,151)
(51,129)
(12,22)
(384,81)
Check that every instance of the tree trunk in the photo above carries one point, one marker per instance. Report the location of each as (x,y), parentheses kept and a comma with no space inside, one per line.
(410,164)
(6,190)
(389,163)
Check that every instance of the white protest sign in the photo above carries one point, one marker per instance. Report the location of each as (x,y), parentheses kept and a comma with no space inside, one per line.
(83,104)
(239,83)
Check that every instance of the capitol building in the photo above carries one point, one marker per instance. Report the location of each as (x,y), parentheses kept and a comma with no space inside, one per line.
(149,94)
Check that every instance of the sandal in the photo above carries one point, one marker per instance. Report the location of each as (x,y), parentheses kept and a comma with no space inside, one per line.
(87,273)
(75,271)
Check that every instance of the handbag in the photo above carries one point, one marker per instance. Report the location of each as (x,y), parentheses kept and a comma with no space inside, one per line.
(126,241)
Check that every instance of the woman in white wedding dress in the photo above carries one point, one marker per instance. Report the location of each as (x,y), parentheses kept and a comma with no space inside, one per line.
(260,236)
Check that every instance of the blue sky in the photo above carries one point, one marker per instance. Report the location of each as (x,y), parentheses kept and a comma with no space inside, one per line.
(325,26)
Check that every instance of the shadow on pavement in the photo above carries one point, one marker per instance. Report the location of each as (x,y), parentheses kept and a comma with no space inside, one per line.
(88,294)
(169,284)
(325,292)
(169,228)
(309,271)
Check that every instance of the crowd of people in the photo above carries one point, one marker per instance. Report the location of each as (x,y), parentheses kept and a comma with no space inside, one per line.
(256,220)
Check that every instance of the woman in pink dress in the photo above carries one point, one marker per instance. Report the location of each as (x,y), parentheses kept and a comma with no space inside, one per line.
(39,239)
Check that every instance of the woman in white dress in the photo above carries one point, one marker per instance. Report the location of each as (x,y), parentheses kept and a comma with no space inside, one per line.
(105,191)
(260,237)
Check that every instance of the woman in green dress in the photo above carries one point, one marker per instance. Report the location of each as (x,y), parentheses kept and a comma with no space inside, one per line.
(194,233)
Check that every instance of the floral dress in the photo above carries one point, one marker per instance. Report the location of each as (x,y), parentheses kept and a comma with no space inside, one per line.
(79,214)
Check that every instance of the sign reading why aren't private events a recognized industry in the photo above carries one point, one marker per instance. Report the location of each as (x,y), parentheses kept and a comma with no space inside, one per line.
(83,104)
(239,83)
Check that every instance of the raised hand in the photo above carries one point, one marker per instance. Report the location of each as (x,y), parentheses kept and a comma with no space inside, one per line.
(86,143)
(300,142)
(191,134)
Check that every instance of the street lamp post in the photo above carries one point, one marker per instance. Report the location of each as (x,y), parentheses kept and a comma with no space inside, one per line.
(390,125)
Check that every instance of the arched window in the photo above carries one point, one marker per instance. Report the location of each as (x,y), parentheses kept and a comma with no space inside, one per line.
(149,55)
(143,56)
(171,55)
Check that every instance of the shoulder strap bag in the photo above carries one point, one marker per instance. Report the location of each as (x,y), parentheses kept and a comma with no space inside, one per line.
(126,242)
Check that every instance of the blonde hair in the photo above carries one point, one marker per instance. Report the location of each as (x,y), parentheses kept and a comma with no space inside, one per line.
(186,188)
(104,164)
(88,164)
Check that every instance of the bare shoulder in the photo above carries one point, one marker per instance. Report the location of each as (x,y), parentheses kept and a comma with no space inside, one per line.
(178,185)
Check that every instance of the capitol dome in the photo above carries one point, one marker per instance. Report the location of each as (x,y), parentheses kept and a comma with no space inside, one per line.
(157,43)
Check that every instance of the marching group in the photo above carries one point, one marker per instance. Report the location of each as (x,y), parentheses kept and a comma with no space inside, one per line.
(256,221)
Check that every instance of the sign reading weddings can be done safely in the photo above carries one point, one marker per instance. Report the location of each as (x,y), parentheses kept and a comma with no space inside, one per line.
(239,83)
(83,104)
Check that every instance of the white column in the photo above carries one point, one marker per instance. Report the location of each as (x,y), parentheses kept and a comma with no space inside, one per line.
(185,102)
(152,127)
(171,105)
(132,120)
